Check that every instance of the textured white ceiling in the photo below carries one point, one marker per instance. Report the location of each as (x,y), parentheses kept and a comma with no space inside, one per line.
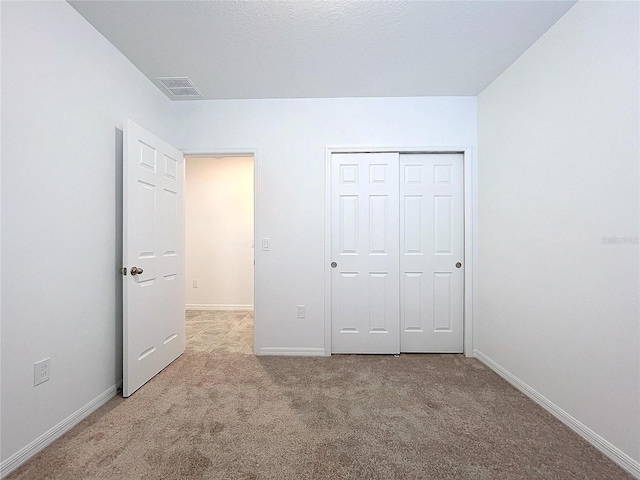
(290,49)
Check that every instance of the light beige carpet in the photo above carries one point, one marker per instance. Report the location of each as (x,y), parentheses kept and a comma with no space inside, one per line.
(218,412)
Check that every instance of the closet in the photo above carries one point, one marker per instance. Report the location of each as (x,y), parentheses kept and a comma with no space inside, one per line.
(397,247)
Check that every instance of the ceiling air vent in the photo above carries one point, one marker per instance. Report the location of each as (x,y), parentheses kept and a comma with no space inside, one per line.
(181,87)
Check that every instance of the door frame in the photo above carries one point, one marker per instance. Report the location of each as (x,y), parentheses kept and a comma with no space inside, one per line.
(469,165)
(244,152)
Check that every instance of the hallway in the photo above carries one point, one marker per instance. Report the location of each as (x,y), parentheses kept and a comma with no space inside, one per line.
(219,331)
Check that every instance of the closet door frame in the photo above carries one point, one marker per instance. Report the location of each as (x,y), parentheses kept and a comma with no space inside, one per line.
(470,228)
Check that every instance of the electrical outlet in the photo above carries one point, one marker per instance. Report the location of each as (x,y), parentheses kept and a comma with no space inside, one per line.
(301,312)
(195,284)
(41,371)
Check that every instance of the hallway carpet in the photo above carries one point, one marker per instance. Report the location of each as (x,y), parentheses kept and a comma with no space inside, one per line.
(218,412)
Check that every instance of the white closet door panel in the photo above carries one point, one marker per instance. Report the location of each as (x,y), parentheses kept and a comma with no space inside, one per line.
(431,243)
(364,246)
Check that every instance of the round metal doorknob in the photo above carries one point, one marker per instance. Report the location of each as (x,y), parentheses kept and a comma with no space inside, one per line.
(136,271)
(334,264)
(458,265)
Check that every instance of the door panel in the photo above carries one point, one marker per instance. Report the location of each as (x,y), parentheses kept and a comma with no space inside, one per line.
(364,244)
(153,240)
(432,241)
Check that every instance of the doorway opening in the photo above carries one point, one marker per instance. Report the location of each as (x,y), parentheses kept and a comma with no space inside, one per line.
(219,253)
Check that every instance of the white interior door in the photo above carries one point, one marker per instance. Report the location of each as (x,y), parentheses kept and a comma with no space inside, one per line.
(364,246)
(153,244)
(431,253)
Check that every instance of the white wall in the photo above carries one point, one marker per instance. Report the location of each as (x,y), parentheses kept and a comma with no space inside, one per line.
(556,306)
(558,170)
(65,92)
(219,232)
(290,137)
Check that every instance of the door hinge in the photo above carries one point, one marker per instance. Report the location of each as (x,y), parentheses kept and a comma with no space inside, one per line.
(123,270)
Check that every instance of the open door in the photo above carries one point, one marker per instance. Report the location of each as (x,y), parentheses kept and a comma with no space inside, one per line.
(153,256)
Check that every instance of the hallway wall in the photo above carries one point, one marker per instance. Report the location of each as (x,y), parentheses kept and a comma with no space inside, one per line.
(219,232)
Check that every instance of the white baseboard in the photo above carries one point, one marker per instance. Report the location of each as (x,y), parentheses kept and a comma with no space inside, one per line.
(604,446)
(47,438)
(292,351)
(216,306)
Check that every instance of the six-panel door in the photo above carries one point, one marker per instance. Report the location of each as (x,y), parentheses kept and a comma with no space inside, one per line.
(364,243)
(431,244)
(153,241)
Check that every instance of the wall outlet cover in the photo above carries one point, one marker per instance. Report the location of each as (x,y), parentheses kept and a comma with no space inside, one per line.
(41,371)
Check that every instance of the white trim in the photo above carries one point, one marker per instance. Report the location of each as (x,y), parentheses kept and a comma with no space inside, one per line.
(219,152)
(237,152)
(292,351)
(47,438)
(216,306)
(470,228)
(470,243)
(607,448)
(327,250)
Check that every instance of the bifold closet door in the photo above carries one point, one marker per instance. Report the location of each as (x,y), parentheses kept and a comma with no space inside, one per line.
(431,252)
(365,310)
